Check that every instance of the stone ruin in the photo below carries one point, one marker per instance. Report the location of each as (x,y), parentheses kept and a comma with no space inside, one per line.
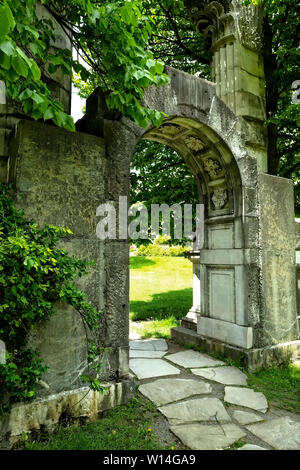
(244,294)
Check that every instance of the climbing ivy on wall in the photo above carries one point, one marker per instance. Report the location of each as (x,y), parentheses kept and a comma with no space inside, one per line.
(34,274)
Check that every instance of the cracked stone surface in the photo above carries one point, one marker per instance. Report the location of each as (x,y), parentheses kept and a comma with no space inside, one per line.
(245,417)
(139,353)
(199,409)
(251,447)
(208,437)
(148,368)
(192,358)
(246,397)
(226,375)
(281,433)
(165,391)
(195,408)
(149,345)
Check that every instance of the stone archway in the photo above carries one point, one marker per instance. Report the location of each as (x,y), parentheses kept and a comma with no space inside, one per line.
(236,314)
(204,132)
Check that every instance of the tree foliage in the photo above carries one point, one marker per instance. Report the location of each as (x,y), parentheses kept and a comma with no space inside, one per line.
(111,37)
(281,29)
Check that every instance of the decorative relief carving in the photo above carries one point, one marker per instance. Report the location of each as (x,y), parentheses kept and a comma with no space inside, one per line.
(193,143)
(170,130)
(212,167)
(214,18)
(219,198)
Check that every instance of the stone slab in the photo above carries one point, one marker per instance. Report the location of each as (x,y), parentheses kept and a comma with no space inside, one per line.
(246,397)
(198,409)
(166,391)
(251,447)
(230,333)
(280,433)
(208,437)
(192,358)
(148,368)
(245,417)
(225,375)
(138,353)
(149,345)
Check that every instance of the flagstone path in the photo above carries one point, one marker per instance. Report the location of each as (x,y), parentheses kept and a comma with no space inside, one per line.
(207,404)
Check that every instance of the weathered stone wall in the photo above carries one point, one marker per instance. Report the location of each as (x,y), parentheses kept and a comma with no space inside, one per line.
(61,178)
(277,244)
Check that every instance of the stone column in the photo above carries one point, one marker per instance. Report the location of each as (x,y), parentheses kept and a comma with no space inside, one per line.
(235,36)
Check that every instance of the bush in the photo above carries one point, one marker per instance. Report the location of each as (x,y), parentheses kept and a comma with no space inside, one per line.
(34,274)
(161,250)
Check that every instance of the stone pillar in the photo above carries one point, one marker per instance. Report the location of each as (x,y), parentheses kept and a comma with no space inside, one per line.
(235,36)
(190,320)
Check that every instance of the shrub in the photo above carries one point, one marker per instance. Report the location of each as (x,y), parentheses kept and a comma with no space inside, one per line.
(161,250)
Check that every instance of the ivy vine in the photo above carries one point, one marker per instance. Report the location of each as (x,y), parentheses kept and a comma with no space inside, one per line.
(34,274)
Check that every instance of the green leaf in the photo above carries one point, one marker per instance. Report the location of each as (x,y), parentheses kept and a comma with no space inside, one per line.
(20,65)
(7,22)
(8,48)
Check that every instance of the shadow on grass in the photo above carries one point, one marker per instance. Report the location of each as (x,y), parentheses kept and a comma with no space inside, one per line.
(137,262)
(163,305)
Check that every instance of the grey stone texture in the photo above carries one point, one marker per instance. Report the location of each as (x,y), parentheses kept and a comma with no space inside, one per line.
(281,433)
(149,368)
(224,375)
(208,437)
(149,345)
(246,397)
(278,240)
(251,447)
(136,353)
(192,358)
(245,417)
(197,409)
(166,391)
(79,404)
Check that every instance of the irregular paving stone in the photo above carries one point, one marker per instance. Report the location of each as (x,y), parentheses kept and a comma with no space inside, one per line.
(198,409)
(168,390)
(281,433)
(244,417)
(246,397)
(251,447)
(138,353)
(148,368)
(224,375)
(149,345)
(192,358)
(208,437)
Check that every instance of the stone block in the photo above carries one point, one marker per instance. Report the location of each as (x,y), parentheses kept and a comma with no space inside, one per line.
(230,333)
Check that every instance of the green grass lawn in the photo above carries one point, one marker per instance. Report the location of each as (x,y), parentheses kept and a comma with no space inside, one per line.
(281,386)
(160,293)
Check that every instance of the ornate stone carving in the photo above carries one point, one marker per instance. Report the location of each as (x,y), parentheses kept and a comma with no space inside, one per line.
(170,130)
(219,198)
(193,143)
(212,167)
(213,17)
